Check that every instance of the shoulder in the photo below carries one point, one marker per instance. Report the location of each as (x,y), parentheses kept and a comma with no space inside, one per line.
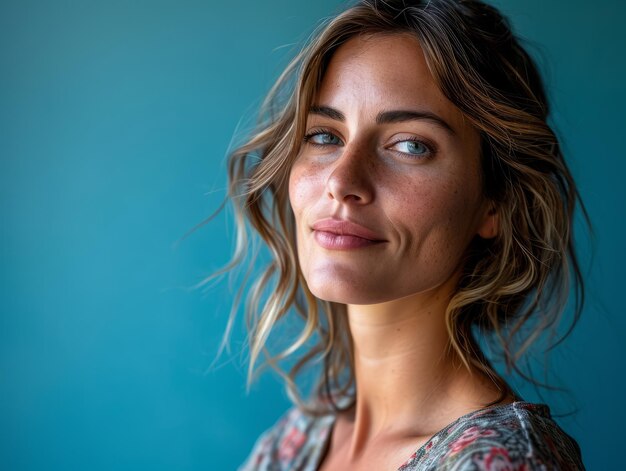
(518,436)
(294,437)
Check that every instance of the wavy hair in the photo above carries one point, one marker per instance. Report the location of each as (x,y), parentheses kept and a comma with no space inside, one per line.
(513,288)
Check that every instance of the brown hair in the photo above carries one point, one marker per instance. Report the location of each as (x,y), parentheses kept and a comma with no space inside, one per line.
(524,274)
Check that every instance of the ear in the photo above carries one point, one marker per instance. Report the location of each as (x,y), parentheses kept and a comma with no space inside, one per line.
(490,224)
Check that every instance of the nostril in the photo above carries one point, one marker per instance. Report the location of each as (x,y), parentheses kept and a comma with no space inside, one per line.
(346,197)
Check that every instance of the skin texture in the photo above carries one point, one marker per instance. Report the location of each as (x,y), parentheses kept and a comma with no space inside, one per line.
(427,208)
(424,203)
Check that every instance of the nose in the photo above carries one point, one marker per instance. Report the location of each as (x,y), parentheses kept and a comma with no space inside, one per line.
(350,180)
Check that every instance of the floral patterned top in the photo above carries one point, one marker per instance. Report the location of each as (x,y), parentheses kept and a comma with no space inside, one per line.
(520,436)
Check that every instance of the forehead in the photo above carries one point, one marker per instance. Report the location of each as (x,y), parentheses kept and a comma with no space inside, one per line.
(379,72)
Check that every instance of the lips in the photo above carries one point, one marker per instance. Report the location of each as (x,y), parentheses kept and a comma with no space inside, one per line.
(340,234)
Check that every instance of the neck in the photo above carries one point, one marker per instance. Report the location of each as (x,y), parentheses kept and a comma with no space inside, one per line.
(408,379)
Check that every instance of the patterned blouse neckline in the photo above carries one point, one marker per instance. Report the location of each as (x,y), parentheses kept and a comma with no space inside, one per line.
(539,409)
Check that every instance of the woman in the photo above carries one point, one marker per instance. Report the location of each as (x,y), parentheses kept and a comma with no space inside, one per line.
(415,203)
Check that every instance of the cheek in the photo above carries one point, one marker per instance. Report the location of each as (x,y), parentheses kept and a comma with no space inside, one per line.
(305,187)
(439,213)
(295,189)
(305,190)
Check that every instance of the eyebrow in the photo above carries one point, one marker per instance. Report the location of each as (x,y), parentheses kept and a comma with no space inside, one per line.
(327,111)
(387,117)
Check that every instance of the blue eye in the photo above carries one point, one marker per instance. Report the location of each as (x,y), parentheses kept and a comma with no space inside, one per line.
(410,147)
(322,138)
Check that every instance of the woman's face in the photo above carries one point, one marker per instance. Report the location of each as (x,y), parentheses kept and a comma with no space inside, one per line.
(386,190)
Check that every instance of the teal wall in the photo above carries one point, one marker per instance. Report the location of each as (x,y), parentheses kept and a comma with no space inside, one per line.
(114,121)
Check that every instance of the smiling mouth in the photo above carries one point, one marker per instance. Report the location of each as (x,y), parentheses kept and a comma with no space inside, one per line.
(333,241)
(336,234)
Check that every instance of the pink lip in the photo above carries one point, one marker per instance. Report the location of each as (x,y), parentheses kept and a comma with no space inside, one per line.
(339,234)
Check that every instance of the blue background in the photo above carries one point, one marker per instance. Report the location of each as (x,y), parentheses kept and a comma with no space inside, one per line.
(114,121)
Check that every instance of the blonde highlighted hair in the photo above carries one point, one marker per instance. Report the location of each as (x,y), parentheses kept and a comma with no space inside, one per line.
(514,287)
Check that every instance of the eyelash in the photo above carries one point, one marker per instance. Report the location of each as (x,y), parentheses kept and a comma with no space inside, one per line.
(431,149)
(317,132)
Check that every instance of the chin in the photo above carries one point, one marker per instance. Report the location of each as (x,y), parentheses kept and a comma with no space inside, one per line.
(347,293)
